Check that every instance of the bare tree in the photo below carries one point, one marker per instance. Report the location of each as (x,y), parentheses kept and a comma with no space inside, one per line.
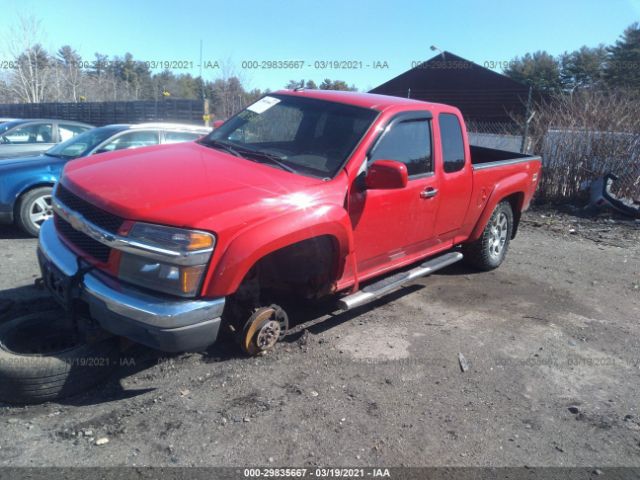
(68,68)
(584,135)
(32,65)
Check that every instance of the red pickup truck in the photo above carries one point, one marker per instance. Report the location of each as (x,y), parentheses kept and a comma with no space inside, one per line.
(303,194)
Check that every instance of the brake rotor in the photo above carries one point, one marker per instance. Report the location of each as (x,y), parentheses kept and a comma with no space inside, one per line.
(263,329)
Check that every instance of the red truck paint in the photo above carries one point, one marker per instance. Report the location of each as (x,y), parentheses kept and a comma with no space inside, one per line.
(255,209)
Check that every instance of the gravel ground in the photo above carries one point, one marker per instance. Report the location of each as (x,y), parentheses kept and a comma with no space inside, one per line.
(551,339)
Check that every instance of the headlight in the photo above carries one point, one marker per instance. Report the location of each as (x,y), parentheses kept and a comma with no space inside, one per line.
(166,259)
(171,238)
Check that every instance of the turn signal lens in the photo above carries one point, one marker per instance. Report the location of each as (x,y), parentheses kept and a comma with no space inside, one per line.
(190,278)
(198,241)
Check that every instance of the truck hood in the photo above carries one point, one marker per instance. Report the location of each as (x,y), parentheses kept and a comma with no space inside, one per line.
(186,184)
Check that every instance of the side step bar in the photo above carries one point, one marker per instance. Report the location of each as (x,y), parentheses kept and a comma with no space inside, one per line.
(389,284)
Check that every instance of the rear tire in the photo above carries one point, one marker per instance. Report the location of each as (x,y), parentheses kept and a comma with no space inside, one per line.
(34,208)
(489,251)
(41,359)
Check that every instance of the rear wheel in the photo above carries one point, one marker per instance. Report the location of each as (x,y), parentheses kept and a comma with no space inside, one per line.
(489,251)
(34,208)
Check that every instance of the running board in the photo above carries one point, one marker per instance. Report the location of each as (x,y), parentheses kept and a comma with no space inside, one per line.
(389,284)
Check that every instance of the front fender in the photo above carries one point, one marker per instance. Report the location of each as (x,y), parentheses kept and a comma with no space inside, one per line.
(252,244)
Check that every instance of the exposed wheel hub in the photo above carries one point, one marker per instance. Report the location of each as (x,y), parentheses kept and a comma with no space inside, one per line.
(263,329)
(268,335)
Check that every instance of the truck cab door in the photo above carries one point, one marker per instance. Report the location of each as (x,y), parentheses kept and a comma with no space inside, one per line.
(457,176)
(392,224)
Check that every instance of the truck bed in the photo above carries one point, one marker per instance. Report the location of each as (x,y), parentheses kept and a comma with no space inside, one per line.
(484,157)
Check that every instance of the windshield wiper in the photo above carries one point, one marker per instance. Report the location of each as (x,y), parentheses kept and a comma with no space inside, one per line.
(221,146)
(271,157)
(244,152)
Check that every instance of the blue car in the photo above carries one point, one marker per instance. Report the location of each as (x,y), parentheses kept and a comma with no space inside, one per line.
(26,183)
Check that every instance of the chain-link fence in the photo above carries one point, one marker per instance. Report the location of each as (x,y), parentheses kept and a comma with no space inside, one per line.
(574,158)
(584,136)
(500,135)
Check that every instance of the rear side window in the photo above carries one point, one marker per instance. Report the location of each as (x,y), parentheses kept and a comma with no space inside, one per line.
(68,131)
(177,137)
(131,140)
(408,142)
(452,144)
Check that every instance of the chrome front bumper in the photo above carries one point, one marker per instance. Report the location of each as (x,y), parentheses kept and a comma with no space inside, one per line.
(158,321)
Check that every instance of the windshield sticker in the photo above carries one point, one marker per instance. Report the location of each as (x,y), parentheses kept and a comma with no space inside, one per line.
(263,104)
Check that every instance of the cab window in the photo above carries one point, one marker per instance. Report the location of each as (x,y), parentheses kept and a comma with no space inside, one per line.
(408,142)
(452,143)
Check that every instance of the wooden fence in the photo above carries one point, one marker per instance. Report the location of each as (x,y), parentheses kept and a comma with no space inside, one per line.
(104,113)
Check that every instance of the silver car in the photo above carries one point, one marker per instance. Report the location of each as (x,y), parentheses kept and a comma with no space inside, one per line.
(32,136)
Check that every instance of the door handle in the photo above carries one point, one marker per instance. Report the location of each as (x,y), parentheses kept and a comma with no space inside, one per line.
(429,192)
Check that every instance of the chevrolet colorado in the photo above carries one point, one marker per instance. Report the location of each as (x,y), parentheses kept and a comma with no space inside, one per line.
(304,194)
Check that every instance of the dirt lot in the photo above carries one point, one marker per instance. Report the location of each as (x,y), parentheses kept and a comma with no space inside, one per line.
(552,338)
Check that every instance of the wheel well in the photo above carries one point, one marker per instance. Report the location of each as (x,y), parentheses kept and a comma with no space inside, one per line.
(306,269)
(515,200)
(16,203)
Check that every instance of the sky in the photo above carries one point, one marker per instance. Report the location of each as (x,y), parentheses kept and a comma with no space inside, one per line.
(381,39)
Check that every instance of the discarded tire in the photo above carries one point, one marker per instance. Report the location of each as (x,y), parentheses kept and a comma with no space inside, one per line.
(41,359)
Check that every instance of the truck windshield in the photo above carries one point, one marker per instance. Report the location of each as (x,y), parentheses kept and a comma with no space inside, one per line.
(301,135)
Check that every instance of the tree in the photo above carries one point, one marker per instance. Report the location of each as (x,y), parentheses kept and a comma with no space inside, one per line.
(69,63)
(188,87)
(4,88)
(99,65)
(131,75)
(623,66)
(29,79)
(539,70)
(228,96)
(328,84)
(583,68)
(32,74)
(293,84)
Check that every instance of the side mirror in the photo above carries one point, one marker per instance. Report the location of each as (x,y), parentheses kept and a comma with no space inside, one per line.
(386,175)
(217,123)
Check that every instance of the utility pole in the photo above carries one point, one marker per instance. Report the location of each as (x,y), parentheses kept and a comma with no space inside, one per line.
(201,79)
(206,117)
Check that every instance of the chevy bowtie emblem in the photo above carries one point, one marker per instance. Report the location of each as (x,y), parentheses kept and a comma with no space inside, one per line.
(75,221)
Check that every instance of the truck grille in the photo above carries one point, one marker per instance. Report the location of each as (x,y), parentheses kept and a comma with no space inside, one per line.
(81,241)
(95,215)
